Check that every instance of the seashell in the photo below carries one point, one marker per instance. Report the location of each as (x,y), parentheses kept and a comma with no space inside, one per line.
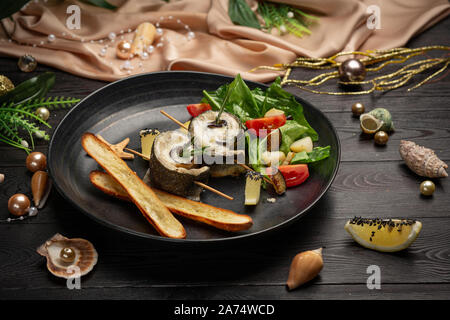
(39,183)
(145,34)
(369,124)
(84,260)
(304,267)
(384,115)
(422,161)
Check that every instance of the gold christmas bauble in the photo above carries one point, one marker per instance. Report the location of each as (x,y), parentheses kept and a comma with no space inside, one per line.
(5,85)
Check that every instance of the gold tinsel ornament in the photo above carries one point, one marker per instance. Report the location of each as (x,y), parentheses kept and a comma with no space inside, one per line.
(5,85)
(374,61)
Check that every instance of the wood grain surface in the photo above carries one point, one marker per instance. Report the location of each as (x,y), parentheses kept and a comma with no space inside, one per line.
(372,181)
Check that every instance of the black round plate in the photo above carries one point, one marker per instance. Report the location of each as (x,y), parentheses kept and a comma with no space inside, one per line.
(122,108)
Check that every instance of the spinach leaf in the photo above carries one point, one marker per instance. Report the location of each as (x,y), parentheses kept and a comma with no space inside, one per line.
(240,13)
(241,101)
(317,154)
(285,101)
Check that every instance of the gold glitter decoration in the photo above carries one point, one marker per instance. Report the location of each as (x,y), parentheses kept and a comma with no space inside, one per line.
(383,82)
(5,85)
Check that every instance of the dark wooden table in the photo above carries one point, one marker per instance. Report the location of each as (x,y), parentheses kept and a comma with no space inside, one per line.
(371,182)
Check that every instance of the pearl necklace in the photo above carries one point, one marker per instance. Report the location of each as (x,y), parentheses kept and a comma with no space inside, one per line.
(108,42)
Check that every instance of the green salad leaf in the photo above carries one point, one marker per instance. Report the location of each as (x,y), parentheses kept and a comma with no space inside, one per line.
(249,104)
(317,154)
(241,13)
(291,132)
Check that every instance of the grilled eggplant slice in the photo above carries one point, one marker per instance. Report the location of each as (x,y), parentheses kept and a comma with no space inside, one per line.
(171,166)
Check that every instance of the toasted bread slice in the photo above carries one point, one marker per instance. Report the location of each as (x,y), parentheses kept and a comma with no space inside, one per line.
(219,218)
(138,191)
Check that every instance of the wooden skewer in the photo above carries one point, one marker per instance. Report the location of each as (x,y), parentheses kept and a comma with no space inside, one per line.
(143,156)
(183,126)
(201,184)
(174,120)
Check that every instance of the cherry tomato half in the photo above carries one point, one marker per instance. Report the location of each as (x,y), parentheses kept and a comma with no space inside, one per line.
(198,108)
(262,126)
(294,174)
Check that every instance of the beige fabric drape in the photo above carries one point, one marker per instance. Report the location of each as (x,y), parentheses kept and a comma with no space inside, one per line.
(219,46)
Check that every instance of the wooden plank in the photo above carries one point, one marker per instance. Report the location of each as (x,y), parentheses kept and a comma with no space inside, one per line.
(242,293)
(126,261)
(375,188)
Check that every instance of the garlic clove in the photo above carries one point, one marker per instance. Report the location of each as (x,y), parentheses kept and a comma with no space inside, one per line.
(304,267)
(38,186)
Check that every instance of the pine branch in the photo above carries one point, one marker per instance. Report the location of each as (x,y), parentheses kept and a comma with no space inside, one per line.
(14,118)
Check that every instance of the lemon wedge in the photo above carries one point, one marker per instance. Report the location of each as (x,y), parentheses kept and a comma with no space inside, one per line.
(386,235)
(370,124)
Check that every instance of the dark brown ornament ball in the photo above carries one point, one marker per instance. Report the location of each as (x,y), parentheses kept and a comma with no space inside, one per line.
(358,109)
(352,70)
(18,204)
(381,138)
(67,255)
(36,161)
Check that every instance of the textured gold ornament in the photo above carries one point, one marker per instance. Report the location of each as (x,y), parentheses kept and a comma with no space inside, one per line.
(378,58)
(5,85)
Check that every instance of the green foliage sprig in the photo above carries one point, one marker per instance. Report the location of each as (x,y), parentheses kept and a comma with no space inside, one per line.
(285,18)
(16,118)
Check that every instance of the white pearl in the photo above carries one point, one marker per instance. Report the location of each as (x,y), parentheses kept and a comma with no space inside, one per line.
(39,134)
(102,52)
(290,14)
(144,55)
(100,41)
(111,36)
(178,21)
(191,35)
(41,43)
(283,28)
(157,24)
(150,49)
(126,65)
(32,211)
(159,45)
(159,31)
(170,17)
(129,30)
